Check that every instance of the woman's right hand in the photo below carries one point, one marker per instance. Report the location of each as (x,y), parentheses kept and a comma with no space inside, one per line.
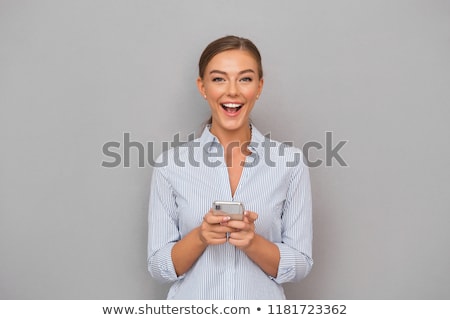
(212,231)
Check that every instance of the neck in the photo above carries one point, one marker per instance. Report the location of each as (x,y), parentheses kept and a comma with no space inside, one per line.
(227,137)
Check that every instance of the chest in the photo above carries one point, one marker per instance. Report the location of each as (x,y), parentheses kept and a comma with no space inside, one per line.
(234,175)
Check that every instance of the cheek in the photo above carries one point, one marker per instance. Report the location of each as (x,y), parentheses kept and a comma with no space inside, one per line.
(213,92)
(250,93)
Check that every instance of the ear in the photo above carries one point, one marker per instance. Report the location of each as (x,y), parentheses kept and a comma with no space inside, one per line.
(260,86)
(201,87)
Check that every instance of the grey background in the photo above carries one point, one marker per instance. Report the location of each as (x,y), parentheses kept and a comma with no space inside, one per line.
(77,74)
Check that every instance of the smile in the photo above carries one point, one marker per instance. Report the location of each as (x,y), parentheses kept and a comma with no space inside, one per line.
(231,107)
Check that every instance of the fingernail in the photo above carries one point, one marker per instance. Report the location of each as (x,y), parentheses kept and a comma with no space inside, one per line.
(226,218)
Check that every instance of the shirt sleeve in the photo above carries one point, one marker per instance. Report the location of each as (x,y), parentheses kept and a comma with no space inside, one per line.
(296,223)
(163,228)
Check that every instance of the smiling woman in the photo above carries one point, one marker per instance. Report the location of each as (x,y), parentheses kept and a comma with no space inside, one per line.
(205,252)
(231,84)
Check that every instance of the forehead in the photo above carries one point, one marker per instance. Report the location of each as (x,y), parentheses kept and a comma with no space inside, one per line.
(232,61)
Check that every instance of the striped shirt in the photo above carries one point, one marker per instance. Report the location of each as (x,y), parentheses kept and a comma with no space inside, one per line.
(274,183)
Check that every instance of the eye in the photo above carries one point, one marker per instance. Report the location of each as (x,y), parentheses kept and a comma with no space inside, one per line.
(247,79)
(218,79)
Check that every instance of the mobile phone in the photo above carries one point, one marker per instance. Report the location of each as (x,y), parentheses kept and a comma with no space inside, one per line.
(233,209)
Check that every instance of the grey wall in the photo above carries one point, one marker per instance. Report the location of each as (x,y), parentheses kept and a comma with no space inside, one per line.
(77,74)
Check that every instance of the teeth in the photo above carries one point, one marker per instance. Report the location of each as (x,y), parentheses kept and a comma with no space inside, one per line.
(232,105)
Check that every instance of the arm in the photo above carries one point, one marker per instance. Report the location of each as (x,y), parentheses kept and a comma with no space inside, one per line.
(186,251)
(260,250)
(265,254)
(297,233)
(212,231)
(169,256)
(162,227)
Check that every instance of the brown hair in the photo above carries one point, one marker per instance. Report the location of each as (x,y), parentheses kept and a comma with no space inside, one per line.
(228,43)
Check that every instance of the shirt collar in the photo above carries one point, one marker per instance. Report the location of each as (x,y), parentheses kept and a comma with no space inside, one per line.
(256,142)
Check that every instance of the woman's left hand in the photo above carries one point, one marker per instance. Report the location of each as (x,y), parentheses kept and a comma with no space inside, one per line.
(245,233)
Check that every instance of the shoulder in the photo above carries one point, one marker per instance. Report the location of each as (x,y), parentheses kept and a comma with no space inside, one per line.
(179,155)
(282,154)
(175,154)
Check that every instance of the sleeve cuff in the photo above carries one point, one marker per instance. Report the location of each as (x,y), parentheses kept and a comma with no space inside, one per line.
(291,267)
(161,265)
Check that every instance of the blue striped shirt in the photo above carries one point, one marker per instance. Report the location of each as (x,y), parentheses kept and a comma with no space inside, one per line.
(274,183)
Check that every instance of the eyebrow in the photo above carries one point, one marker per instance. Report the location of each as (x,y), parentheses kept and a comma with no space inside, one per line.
(240,72)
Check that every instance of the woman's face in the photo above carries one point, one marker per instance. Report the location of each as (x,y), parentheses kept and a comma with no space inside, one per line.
(231,85)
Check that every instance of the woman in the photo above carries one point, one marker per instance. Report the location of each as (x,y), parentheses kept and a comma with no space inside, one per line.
(209,256)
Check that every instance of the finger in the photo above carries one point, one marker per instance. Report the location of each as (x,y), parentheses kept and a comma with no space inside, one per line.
(237,242)
(246,224)
(238,224)
(218,235)
(222,229)
(217,241)
(222,214)
(214,219)
(214,237)
(251,216)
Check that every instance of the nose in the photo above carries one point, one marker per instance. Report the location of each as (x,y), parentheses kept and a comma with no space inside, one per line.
(232,89)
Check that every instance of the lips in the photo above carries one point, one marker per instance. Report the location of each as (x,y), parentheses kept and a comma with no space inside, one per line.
(231,108)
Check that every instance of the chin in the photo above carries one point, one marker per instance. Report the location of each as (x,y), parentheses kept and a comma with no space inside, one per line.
(235,124)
